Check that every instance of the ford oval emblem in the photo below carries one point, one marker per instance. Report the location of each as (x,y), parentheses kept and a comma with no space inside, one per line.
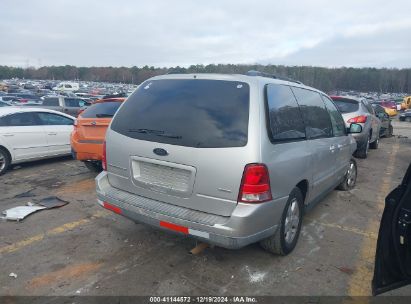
(160,152)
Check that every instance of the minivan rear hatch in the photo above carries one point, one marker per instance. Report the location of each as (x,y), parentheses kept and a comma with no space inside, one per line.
(182,142)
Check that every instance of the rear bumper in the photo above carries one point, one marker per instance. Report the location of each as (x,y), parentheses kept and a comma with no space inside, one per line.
(249,223)
(87,151)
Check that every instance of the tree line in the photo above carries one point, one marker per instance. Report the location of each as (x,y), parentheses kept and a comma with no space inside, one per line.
(327,79)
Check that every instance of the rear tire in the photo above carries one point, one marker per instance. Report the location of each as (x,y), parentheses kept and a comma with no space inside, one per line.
(5,160)
(390,131)
(362,152)
(350,177)
(285,239)
(374,145)
(94,166)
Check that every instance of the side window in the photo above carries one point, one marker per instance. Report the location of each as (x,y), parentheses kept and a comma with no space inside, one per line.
(377,110)
(315,115)
(51,102)
(54,119)
(68,86)
(337,120)
(21,120)
(72,102)
(285,119)
(368,107)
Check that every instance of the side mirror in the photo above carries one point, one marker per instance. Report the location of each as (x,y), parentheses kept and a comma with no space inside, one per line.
(355,128)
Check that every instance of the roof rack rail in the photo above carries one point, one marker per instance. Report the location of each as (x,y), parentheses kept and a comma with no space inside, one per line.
(262,74)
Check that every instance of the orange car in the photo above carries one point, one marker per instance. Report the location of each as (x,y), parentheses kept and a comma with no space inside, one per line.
(89,132)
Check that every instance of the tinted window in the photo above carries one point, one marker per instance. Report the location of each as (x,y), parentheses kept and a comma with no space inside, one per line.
(51,102)
(101,109)
(28,96)
(368,107)
(285,119)
(187,112)
(74,102)
(3,104)
(21,120)
(54,119)
(379,110)
(346,105)
(8,98)
(337,120)
(315,115)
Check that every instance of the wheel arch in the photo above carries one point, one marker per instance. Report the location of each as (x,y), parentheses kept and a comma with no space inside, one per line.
(303,186)
(7,151)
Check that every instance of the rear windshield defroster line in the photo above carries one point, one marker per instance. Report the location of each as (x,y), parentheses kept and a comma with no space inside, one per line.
(187,112)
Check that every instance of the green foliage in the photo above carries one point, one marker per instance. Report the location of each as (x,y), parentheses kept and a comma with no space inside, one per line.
(326,79)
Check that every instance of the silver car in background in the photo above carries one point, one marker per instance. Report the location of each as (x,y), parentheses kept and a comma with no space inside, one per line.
(360,111)
(227,159)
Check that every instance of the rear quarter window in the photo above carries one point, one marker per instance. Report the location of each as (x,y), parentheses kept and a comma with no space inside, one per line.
(284,115)
(187,112)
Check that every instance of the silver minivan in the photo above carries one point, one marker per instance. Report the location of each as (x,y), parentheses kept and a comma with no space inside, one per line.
(227,159)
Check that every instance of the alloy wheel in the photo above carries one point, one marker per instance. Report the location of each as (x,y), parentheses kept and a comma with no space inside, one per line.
(2,161)
(351,175)
(292,221)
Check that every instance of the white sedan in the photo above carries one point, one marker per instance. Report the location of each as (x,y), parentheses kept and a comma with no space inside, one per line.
(28,134)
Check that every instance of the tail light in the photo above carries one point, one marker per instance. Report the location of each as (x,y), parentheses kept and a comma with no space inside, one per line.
(255,184)
(358,119)
(104,158)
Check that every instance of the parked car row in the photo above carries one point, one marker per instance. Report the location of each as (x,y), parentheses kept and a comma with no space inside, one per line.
(374,120)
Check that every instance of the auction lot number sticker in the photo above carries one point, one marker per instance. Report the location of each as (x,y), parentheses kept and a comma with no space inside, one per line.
(203,299)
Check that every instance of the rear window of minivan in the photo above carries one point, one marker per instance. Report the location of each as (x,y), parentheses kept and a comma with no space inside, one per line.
(187,112)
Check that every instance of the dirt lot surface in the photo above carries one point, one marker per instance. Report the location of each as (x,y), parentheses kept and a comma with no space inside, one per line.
(82,249)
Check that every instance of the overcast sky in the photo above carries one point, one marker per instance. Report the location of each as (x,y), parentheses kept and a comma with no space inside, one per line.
(183,32)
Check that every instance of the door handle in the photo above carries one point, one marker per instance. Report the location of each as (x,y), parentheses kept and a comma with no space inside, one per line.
(8,135)
(52,133)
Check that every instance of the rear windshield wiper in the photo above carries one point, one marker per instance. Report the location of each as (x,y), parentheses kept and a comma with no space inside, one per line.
(155,132)
(146,131)
(170,136)
(104,115)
